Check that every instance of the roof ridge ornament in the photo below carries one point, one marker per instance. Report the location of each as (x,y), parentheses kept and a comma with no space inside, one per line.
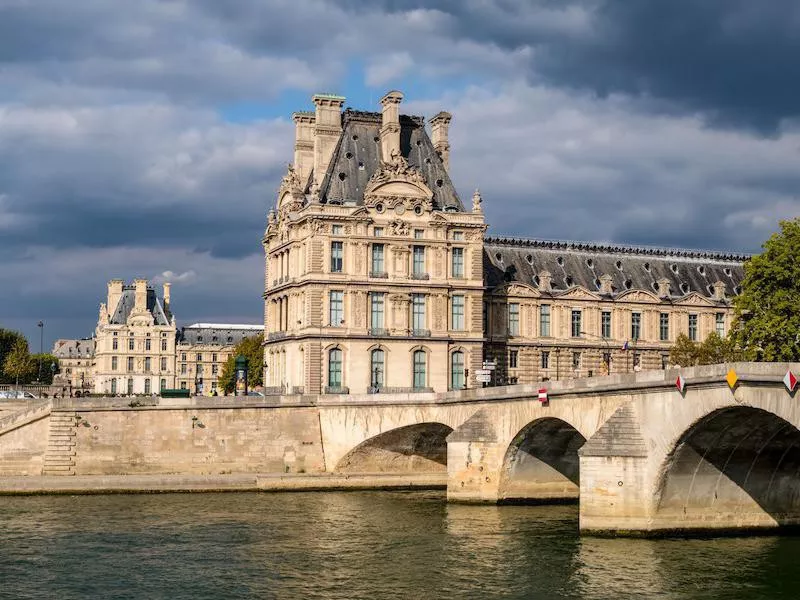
(477,200)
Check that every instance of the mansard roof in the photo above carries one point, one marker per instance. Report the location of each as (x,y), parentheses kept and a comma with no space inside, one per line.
(83,348)
(582,264)
(223,334)
(126,302)
(358,156)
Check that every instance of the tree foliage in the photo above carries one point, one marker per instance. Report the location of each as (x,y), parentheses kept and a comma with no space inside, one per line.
(47,360)
(252,349)
(18,366)
(768,309)
(714,350)
(7,340)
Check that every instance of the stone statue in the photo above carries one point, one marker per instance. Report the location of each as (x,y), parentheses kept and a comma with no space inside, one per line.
(477,201)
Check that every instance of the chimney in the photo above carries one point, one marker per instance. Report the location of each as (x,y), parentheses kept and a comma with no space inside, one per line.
(606,287)
(303,144)
(663,288)
(327,129)
(544,281)
(719,290)
(114,294)
(440,124)
(390,125)
(140,295)
(167,286)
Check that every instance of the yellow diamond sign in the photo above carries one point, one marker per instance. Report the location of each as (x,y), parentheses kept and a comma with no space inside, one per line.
(732,378)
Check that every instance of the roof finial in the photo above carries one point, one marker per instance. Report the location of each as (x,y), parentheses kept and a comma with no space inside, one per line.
(477,201)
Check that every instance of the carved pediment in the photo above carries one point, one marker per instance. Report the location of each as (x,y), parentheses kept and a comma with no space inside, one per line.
(394,180)
(290,192)
(579,293)
(694,299)
(638,296)
(517,289)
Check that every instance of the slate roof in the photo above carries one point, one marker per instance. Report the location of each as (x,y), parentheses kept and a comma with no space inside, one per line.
(631,267)
(217,333)
(126,303)
(83,348)
(358,155)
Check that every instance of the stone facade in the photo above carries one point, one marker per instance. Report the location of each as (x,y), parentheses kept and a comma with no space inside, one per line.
(76,365)
(134,340)
(379,279)
(203,349)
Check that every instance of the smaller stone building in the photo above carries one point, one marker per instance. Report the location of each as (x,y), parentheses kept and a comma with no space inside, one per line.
(76,362)
(202,350)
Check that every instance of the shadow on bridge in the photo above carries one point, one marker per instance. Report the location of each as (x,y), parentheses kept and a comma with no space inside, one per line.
(541,464)
(420,448)
(736,466)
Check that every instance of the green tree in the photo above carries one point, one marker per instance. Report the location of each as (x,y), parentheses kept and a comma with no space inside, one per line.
(684,352)
(715,350)
(252,349)
(47,362)
(7,340)
(17,364)
(768,309)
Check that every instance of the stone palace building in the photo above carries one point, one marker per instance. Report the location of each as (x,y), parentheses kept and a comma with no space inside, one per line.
(380,278)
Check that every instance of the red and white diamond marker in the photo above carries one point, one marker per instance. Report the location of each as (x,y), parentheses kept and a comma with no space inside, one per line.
(790,381)
(680,383)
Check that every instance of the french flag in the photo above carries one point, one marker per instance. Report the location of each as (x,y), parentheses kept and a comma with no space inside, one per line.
(625,345)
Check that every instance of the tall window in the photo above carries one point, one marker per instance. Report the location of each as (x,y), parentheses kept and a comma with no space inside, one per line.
(513,318)
(693,327)
(130,386)
(719,321)
(576,323)
(544,320)
(114,344)
(636,326)
(183,368)
(420,375)
(163,384)
(114,386)
(130,364)
(335,368)
(513,357)
(605,324)
(164,345)
(418,312)
(113,363)
(457,370)
(147,344)
(146,386)
(337,251)
(485,316)
(458,262)
(214,357)
(545,359)
(457,312)
(336,308)
(147,365)
(377,368)
(199,357)
(130,343)
(418,262)
(663,327)
(377,259)
(376,310)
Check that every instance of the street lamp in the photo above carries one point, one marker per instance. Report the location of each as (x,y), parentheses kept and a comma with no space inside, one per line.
(608,348)
(40,325)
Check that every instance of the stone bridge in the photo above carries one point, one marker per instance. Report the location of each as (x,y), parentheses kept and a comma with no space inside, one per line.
(640,456)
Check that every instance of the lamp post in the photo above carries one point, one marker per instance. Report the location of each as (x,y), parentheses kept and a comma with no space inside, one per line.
(608,348)
(40,325)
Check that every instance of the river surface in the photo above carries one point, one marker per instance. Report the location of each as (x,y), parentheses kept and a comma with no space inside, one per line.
(358,545)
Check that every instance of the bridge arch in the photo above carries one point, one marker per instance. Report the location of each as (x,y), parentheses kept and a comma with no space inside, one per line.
(541,463)
(417,448)
(736,465)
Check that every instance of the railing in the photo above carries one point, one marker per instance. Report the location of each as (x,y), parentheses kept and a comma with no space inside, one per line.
(275,390)
(378,274)
(298,389)
(398,390)
(379,332)
(336,389)
(420,276)
(277,335)
(421,333)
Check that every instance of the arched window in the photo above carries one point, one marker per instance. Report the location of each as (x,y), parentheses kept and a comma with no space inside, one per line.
(420,370)
(163,384)
(146,386)
(377,368)
(335,368)
(457,370)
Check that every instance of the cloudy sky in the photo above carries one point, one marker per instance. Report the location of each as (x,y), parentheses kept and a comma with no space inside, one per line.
(147,138)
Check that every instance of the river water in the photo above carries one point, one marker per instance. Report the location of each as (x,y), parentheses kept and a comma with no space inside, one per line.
(358,545)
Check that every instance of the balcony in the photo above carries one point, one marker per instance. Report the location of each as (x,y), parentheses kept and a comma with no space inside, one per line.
(420,333)
(378,275)
(379,332)
(422,276)
(277,335)
(336,389)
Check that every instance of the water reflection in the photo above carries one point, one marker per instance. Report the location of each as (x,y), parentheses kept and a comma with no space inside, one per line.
(358,545)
